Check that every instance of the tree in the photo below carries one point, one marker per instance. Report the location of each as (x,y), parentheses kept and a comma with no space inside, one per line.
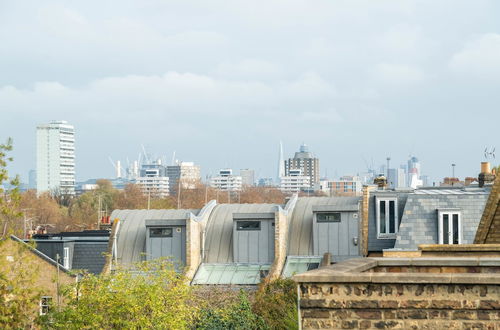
(236,314)
(276,303)
(9,200)
(131,198)
(43,210)
(261,195)
(153,296)
(18,298)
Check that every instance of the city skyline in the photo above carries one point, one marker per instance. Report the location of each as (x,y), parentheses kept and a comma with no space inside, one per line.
(378,166)
(355,82)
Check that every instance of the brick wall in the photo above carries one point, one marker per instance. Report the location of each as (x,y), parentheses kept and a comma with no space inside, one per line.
(407,306)
(193,246)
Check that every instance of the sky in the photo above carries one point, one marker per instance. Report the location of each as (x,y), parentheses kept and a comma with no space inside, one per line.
(222,82)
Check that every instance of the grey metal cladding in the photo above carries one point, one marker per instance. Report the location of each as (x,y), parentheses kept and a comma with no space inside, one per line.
(219,229)
(420,220)
(131,238)
(300,223)
(253,216)
(337,238)
(254,245)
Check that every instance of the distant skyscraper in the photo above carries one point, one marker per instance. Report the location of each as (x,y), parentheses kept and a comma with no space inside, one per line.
(396,178)
(187,172)
(247,177)
(281,164)
(55,158)
(32,179)
(413,168)
(306,162)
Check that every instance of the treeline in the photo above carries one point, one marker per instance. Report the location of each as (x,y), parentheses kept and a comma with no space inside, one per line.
(59,213)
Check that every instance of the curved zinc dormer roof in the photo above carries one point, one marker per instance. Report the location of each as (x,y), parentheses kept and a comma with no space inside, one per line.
(300,238)
(219,229)
(131,236)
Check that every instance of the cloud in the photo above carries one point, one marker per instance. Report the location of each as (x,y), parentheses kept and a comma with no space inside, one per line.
(480,57)
(173,93)
(398,73)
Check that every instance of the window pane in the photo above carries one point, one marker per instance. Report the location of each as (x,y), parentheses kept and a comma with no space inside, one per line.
(382,217)
(392,217)
(160,232)
(328,217)
(455,228)
(248,225)
(446,229)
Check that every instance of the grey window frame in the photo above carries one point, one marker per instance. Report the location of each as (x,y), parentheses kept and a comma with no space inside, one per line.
(168,229)
(239,228)
(318,220)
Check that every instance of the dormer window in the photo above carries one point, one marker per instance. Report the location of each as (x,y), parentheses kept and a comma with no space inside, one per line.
(160,232)
(248,225)
(387,217)
(328,217)
(449,227)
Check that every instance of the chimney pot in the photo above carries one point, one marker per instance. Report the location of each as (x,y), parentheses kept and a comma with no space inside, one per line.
(485,167)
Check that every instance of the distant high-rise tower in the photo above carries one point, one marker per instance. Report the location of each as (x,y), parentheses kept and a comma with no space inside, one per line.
(305,161)
(55,158)
(413,169)
(247,177)
(281,164)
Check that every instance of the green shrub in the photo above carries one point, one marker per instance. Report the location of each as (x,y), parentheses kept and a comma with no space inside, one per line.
(276,303)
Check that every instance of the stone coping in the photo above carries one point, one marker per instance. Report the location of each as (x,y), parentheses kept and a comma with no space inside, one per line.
(459,247)
(354,271)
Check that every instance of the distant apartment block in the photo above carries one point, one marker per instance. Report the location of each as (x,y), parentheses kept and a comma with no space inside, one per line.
(226,181)
(55,158)
(295,181)
(154,180)
(187,172)
(305,161)
(247,177)
(345,186)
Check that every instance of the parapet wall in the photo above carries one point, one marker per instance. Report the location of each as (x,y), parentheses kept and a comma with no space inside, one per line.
(406,306)
(404,293)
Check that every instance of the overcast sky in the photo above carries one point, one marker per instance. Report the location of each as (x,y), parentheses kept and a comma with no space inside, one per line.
(222,82)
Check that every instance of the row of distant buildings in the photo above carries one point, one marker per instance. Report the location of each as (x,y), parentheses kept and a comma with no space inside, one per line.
(55,172)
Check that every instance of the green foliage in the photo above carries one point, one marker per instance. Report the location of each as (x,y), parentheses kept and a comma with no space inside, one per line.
(18,299)
(153,296)
(10,200)
(237,315)
(276,303)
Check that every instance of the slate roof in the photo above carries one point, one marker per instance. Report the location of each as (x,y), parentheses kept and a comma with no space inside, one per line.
(131,235)
(300,222)
(419,224)
(40,255)
(90,256)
